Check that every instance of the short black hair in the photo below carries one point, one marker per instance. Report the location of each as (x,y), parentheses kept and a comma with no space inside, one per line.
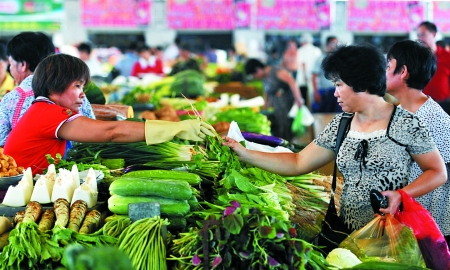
(418,58)
(56,72)
(132,46)
(252,65)
(429,26)
(360,66)
(143,48)
(30,47)
(441,43)
(3,55)
(84,47)
(329,40)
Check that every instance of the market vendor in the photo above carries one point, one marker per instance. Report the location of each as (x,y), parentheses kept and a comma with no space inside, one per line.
(378,150)
(54,118)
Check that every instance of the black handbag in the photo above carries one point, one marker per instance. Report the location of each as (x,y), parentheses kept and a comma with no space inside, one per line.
(334,230)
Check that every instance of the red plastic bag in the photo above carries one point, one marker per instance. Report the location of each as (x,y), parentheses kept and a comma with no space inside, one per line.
(431,241)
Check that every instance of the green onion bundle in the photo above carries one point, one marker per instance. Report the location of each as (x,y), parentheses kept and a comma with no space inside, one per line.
(206,169)
(132,153)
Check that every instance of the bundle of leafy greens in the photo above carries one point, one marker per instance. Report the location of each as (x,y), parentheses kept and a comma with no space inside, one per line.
(238,237)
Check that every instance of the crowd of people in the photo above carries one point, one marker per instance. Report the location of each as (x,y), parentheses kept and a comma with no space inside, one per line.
(388,146)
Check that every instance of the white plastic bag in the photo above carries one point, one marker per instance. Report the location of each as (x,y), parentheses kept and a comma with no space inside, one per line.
(307,117)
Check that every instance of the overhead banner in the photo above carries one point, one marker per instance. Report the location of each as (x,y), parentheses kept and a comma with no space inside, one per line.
(22,15)
(312,15)
(115,13)
(441,16)
(200,14)
(242,13)
(384,16)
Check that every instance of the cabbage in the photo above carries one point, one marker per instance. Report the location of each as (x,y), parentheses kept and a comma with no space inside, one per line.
(342,258)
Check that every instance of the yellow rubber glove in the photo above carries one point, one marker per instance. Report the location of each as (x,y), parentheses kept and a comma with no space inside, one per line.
(159,131)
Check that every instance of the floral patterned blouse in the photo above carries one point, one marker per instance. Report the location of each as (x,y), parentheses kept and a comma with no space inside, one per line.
(11,100)
(379,160)
(436,202)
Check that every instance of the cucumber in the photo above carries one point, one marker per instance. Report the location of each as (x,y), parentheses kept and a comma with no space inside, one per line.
(191,178)
(193,203)
(170,207)
(132,186)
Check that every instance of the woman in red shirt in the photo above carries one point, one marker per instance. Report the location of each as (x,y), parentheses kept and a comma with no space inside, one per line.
(53,118)
(147,63)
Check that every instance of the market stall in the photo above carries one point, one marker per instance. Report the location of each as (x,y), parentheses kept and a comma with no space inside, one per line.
(173,205)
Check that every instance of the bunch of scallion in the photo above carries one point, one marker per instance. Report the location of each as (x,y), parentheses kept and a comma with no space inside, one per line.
(311,182)
(208,170)
(132,153)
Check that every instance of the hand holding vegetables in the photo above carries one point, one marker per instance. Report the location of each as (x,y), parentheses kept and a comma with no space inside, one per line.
(159,131)
(238,148)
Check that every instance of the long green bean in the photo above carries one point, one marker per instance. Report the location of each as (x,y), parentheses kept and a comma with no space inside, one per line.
(143,242)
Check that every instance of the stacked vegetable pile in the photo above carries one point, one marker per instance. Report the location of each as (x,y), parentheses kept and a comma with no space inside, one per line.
(239,237)
(50,187)
(189,83)
(145,94)
(39,237)
(260,193)
(247,119)
(171,189)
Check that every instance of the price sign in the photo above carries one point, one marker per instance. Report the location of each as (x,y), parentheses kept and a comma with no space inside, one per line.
(138,211)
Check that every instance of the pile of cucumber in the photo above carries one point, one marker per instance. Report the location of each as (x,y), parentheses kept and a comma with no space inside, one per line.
(171,189)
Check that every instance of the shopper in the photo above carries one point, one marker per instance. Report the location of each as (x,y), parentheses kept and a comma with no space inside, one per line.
(171,53)
(439,86)
(307,56)
(147,63)
(129,58)
(53,118)
(289,59)
(379,149)
(280,94)
(25,51)
(86,54)
(411,65)
(324,99)
(6,81)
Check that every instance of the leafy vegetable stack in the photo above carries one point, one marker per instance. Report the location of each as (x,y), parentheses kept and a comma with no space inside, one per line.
(239,237)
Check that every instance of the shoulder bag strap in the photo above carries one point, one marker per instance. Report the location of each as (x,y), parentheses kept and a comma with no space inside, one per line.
(344,126)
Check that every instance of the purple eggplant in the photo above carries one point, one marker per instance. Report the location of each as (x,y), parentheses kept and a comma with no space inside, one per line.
(264,139)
